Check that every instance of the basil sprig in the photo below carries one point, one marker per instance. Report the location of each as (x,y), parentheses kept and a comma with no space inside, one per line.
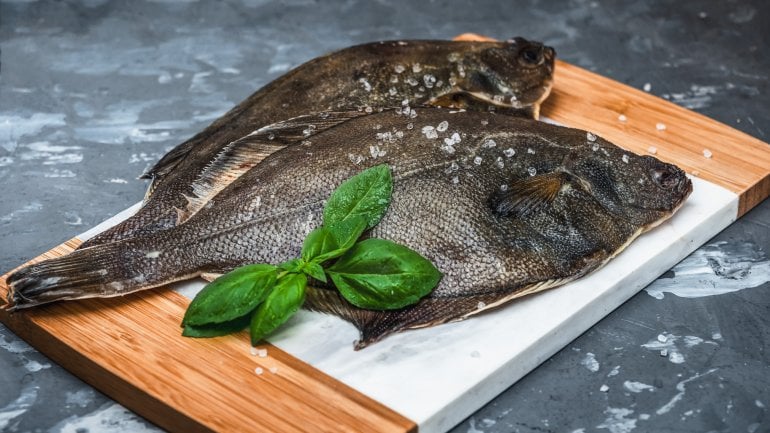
(374,273)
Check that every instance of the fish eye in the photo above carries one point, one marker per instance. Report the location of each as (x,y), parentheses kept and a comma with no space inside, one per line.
(532,55)
(665,177)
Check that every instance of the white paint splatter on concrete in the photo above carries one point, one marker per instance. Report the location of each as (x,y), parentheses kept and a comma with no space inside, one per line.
(681,388)
(589,361)
(18,407)
(116,180)
(637,387)
(672,345)
(715,269)
(617,420)
(614,372)
(81,398)
(110,418)
(12,128)
(472,426)
(27,208)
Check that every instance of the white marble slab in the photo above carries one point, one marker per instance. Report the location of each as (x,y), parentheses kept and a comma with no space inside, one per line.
(438,376)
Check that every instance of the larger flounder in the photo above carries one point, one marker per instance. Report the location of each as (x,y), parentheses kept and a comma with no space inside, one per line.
(504,207)
(515,75)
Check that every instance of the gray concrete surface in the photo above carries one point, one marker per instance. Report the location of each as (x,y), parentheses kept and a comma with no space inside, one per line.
(93,92)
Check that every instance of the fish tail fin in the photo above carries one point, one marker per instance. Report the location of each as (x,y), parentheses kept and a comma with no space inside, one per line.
(101,271)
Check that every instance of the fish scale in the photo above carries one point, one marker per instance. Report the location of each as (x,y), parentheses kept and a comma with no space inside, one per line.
(359,77)
(491,246)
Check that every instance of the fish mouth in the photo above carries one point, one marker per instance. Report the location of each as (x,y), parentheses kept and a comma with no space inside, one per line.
(506,100)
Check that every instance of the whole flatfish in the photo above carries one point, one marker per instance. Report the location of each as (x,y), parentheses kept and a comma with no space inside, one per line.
(503,206)
(515,76)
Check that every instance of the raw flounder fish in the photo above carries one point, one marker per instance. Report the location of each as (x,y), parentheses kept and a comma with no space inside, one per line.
(515,75)
(503,206)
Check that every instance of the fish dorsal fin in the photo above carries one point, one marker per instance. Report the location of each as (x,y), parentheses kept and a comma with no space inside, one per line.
(528,195)
(241,155)
(169,161)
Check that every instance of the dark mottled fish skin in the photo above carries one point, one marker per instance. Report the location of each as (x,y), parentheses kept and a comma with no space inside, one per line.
(503,207)
(517,73)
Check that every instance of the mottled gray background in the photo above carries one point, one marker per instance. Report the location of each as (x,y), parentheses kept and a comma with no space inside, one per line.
(93,92)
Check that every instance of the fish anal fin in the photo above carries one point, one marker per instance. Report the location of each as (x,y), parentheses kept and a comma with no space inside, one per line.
(527,195)
(241,155)
(459,99)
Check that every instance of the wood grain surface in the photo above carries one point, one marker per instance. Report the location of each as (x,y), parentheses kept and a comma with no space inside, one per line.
(131,348)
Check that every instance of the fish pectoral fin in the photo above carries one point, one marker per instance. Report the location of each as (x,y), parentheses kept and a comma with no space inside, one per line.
(241,155)
(527,195)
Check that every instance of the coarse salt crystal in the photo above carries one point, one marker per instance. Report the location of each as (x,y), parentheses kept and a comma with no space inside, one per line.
(647,87)
(695,173)
(604,388)
(707,153)
(662,338)
(262,353)
(590,137)
(625,158)
(664,352)
(258,370)
(442,126)
(481,305)
(622,118)
(274,370)
(652,150)
(532,171)
(531,150)
(660,126)
(399,69)
(509,152)
(477,160)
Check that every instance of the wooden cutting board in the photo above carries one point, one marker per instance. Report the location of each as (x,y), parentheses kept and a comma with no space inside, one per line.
(131,349)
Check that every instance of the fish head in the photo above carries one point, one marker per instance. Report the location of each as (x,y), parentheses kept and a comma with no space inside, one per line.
(639,188)
(515,74)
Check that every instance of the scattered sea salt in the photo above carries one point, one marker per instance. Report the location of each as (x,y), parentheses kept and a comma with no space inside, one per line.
(485,122)
(662,338)
(475,354)
(503,187)
(652,150)
(622,118)
(499,162)
(488,144)
(477,160)
(625,158)
(410,125)
(660,126)
(455,180)
(442,126)
(707,153)
(532,171)
(590,137)
(531,150)
(509,152)
(258,370)
(604,388)
(702,15)
(647,87)
(595,147)
(262,353)
(416,68)
(412,82)
(429,80)
(429,132)
(664,353)
(274,370)
(368,109)
(481,305)
(253,351)
(392,91)
(399,69)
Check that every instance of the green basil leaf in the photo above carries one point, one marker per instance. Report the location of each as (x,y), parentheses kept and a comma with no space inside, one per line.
(382,275)
(314,270)
(293,265)
(217,329)
(366,194)
(230,296)
(282,302)
(328,242)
